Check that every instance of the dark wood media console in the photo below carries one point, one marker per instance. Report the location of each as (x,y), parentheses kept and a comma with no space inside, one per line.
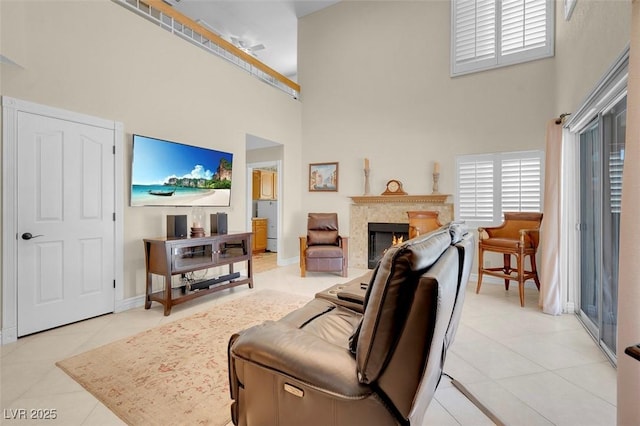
(173,256)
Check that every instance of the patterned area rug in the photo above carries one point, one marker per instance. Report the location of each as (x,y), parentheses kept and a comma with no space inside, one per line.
(175,373)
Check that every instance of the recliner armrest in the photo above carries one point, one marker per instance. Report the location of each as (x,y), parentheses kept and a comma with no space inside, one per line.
(303,356)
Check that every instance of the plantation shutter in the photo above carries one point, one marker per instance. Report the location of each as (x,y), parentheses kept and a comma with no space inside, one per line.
(521,185)
(490,33)
(490,184)
(475,30)
(475,190)
(616,163)
(524,29)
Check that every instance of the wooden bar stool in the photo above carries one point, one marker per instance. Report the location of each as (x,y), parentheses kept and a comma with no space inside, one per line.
(519,236)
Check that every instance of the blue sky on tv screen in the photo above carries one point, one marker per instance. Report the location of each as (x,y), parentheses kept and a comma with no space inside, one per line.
(155,161)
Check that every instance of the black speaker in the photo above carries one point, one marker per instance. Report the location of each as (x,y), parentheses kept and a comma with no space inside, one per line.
(219,223)
(177,226)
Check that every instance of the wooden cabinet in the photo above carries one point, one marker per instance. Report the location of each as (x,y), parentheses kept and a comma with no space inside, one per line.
(168,257)
(259,225)
(264,185)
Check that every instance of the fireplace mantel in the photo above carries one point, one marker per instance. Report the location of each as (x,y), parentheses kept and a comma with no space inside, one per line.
(388,209)
(431,199)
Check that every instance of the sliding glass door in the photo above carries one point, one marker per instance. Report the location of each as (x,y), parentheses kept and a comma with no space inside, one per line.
(602,150)
(590,235)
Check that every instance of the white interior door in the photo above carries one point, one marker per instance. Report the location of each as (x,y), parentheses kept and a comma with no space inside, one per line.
(66,228)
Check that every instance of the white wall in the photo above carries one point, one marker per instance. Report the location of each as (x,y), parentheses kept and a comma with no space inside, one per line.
(98,58)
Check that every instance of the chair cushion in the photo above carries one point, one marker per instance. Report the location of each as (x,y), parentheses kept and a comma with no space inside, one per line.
(504,243)
(316,237)
(323,252)
(322,228)
(392,285)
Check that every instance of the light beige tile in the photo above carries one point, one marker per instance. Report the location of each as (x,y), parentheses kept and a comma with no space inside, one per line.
(102,416)
(599,379)
(503,352)
(53,382)
(461,370)
(68,409)
(579,340)
(495,360)
(560,401)
(18,377)
(461,408)
(46,347)
(543,350)
(7,349)
(508,408)
(437,415)
(91,325)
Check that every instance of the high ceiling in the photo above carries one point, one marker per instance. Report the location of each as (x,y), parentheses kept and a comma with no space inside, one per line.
(265,28)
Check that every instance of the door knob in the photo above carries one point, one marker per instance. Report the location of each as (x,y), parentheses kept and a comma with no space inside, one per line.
(28,236)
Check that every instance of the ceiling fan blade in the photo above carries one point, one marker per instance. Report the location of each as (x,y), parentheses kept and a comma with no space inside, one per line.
(257,47)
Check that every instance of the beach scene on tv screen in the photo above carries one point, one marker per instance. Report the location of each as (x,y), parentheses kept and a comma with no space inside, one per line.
(166,173)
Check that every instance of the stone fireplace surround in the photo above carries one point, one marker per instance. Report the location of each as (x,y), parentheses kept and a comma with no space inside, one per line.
(388,209)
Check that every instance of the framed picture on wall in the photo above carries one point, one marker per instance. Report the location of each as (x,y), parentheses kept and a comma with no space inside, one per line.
(323,177)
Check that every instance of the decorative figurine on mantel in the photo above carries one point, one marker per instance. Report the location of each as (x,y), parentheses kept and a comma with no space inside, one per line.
(367,190)
(436,177)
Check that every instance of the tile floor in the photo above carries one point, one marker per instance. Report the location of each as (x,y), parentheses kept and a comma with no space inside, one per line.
(530,368)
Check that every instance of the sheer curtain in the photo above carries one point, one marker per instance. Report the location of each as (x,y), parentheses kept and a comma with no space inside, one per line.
(550,237)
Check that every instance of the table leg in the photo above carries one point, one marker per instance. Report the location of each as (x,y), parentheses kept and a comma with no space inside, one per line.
(167,295)
(147,300)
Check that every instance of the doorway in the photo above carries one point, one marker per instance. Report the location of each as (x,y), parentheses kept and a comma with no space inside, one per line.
(62,219)
(265,195)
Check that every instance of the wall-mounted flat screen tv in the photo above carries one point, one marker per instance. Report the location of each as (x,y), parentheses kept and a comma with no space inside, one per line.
(165,173)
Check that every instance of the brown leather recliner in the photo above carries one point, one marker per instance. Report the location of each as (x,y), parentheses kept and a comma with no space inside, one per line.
(323,249)
(325,364)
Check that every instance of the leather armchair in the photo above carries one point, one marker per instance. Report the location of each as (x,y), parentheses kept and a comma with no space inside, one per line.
(323,249)
(325,364)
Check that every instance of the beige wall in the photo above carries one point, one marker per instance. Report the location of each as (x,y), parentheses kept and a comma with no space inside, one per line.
(376,83)
(586,46)
(98,58)
(629,289)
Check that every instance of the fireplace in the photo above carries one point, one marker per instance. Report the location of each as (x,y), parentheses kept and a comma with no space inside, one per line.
(387,209)
(381,237)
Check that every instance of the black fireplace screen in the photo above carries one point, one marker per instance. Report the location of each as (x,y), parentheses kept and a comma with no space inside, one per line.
(381,237)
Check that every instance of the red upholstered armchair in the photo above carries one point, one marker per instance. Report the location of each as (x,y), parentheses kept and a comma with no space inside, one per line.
(323,249)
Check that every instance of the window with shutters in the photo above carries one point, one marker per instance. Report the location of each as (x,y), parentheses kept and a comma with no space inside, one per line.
(488,34)
(490,184)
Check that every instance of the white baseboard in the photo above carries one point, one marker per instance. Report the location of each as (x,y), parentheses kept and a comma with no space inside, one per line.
(8,335)
(289,261)
(570,308)
(131,303)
